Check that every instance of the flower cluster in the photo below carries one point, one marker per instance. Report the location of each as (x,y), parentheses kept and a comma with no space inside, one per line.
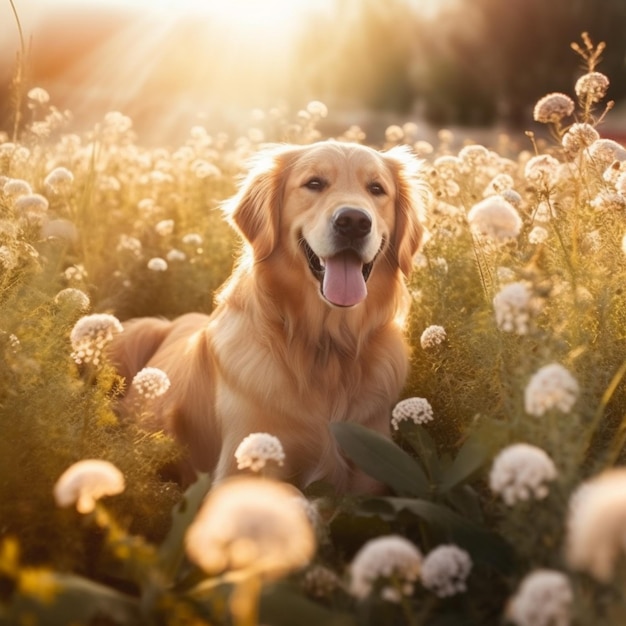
(90,336)
(495,218)
(445,570)
(416,410)
(520,472)
(257,450)
(433,337)
(251,524)
(554,107)
(595,525)
(151,382)
(512,305)
(391,561)
(85,482)
(551,387)
(592,86)
(544,598)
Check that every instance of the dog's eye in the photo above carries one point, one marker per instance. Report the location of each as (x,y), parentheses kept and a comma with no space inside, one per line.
(315,184)
(376,189)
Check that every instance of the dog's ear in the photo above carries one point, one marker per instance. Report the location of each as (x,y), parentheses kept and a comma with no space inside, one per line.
(255,209)
(411,200)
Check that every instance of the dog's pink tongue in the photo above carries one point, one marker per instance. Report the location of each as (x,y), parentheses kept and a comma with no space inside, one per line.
(343,282)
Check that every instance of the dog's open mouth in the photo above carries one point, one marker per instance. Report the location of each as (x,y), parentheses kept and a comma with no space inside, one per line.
(342,277)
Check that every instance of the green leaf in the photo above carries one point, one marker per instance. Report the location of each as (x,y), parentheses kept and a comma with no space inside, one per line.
(283,604)
(424,446)
(381,458)
(172,550)
(470,458)
(75,600)
(482,544)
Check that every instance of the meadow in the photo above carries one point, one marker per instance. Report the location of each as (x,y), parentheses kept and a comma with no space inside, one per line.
(507,502)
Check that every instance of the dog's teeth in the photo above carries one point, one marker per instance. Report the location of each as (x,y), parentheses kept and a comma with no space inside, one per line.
(322,263)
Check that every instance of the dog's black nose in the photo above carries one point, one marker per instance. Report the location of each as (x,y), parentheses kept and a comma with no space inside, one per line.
(352,223)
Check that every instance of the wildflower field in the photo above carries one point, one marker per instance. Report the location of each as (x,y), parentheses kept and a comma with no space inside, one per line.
(506,499)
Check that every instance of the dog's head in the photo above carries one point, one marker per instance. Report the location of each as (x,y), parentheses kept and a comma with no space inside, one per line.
(338,209)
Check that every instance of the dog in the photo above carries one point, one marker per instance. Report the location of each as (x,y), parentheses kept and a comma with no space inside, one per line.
(308,329)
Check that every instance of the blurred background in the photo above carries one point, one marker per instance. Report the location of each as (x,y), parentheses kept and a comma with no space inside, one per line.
(170,64)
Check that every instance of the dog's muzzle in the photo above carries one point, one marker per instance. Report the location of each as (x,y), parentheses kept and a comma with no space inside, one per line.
(343,275)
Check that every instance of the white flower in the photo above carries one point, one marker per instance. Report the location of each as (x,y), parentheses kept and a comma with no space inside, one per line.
(606,151)
(551,387)
(609,201)
(474,155)
(73,298)
(544,598)
(579,136)
(512,307)
(542,170)
(192,239)
(418,410)
(164,227)
(16,187)
(59,179)
(445,570)
(521,471)
(592,86)
(130,244)
(433,337)
(39,95)
(87,481)
(321,581)
(175,256)
(253,524)
(495,218)
(157,264)
(596,522)
(31,203)
(151,382)
(317,108)
(257,449)
(553,108)
(538,235)
(90,336)
(391,559)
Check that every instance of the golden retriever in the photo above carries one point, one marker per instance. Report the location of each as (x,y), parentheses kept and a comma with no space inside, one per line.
(308,329)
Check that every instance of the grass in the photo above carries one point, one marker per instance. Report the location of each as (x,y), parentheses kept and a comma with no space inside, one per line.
(124,205)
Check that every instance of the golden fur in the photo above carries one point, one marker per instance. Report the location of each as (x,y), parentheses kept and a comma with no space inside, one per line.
(275,356)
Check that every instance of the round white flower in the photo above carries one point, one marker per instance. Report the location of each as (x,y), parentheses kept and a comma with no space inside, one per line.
(433,337)
(579,136)
(73,298)
(512,308)
(157,264)
(595,524)
(59,179)
(445,570)
(551,387)
(87,481)
(521,471)
(390,559)
(151,382)
(253,524)
(542,170)
(592,86)
(544,598)
(257,449)
(495,218)
(90,336)
(538,235)
(416,410)
(553,108)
